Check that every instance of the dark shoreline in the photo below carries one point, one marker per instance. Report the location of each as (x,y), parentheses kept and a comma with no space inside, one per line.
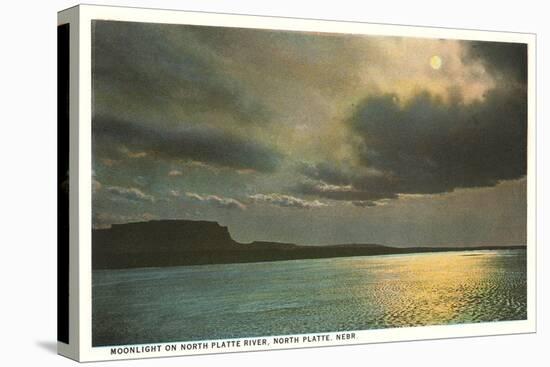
(180,242)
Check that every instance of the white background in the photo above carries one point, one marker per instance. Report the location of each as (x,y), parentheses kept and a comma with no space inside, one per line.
(28,183)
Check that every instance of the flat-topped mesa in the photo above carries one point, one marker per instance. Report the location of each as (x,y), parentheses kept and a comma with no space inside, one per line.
(160,243)
(163,236)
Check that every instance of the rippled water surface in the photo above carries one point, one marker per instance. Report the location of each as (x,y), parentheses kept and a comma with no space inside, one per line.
(307,296)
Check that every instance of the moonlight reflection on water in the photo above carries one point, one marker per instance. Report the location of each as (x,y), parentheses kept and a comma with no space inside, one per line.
(307,296)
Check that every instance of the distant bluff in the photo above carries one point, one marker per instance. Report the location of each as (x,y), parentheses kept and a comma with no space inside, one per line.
(164,235)
(160,243)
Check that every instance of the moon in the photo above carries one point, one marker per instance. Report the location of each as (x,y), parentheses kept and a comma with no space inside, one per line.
(436,62)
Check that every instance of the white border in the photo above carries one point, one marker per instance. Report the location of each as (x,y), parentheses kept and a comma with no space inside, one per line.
(83,302)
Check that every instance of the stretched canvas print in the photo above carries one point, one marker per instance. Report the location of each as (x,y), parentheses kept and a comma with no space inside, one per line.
(236,183)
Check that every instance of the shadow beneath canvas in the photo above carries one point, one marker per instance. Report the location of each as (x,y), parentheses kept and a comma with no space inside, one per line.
(49,346)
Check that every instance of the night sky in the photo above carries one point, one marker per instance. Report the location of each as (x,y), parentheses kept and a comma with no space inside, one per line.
(310,138)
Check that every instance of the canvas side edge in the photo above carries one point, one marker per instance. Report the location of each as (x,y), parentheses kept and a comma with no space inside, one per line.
(71,350)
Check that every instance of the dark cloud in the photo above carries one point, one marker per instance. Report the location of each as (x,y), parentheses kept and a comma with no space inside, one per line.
(426,146)
(165,69)
(505,61)
(200,143)
(429,146)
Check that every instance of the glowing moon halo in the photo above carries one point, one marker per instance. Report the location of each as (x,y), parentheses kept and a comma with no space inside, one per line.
(436,62)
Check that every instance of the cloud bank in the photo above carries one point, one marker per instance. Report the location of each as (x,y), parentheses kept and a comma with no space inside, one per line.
(199,143)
